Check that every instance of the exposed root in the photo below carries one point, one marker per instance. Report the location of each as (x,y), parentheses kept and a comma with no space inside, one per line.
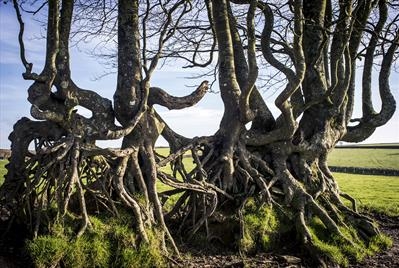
(104,179)
(351,199)
(129,200)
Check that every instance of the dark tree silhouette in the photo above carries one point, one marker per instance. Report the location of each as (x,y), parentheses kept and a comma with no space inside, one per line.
(314,47)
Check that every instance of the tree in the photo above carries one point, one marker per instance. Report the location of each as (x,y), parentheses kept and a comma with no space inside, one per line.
(275,170)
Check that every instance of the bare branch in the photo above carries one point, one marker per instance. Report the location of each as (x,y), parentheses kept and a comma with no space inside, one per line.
(161,97)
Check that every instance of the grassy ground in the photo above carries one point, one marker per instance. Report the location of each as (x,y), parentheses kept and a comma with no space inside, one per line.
(377,193)
(355,157)
(362,157)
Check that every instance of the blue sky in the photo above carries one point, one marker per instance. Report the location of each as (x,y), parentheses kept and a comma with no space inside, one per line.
(202,119)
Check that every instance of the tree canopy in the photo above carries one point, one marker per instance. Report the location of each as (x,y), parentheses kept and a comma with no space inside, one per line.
(311,51)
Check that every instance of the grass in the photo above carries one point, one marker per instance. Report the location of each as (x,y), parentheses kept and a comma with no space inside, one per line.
(389,144)
(111,243)
(367,158)
(338,249)
(164,151)
(3,170)
(261,227)
(376,193)
(188,164)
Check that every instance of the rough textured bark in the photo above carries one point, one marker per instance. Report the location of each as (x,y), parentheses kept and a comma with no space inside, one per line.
(281,163)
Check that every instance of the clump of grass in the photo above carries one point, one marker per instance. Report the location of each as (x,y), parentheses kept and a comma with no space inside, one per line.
(128,254)
(339,250)
(111,242)
(47,251)
(261,227)
(146,256)
(380,242)
(91,251)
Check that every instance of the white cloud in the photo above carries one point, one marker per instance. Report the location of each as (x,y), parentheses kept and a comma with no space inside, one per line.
(196,112)
(193,121)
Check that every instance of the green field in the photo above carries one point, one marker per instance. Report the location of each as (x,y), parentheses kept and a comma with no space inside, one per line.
(378,193)
(364,157)
(355,157)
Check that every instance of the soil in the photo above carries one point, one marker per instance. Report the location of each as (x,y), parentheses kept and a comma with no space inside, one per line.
(215,256)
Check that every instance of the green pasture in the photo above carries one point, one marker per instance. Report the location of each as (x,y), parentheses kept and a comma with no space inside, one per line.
(377,193)
(372,193)
(379,157)
(365,157)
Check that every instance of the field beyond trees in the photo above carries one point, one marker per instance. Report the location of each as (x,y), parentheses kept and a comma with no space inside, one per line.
(373,193)
(378,157)
(260,183)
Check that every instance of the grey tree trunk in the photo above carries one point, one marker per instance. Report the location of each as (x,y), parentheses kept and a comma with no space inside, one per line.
(276,171)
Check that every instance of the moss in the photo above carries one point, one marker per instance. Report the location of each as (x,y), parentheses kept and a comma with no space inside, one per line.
(247,243)
(100,226)
(99,253)
(261,227)
(127,254)
(3,170)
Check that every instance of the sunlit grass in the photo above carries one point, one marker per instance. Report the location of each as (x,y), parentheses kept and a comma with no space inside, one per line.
(368,158)
(377,193)
(110,243)
(188,164)
(3,170)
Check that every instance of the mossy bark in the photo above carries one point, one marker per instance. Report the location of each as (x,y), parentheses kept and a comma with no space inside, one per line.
(256,181)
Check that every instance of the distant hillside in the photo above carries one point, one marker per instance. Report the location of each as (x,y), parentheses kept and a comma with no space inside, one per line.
(367,156)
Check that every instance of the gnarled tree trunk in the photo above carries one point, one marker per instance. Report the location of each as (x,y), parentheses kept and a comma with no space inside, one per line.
(276,169)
